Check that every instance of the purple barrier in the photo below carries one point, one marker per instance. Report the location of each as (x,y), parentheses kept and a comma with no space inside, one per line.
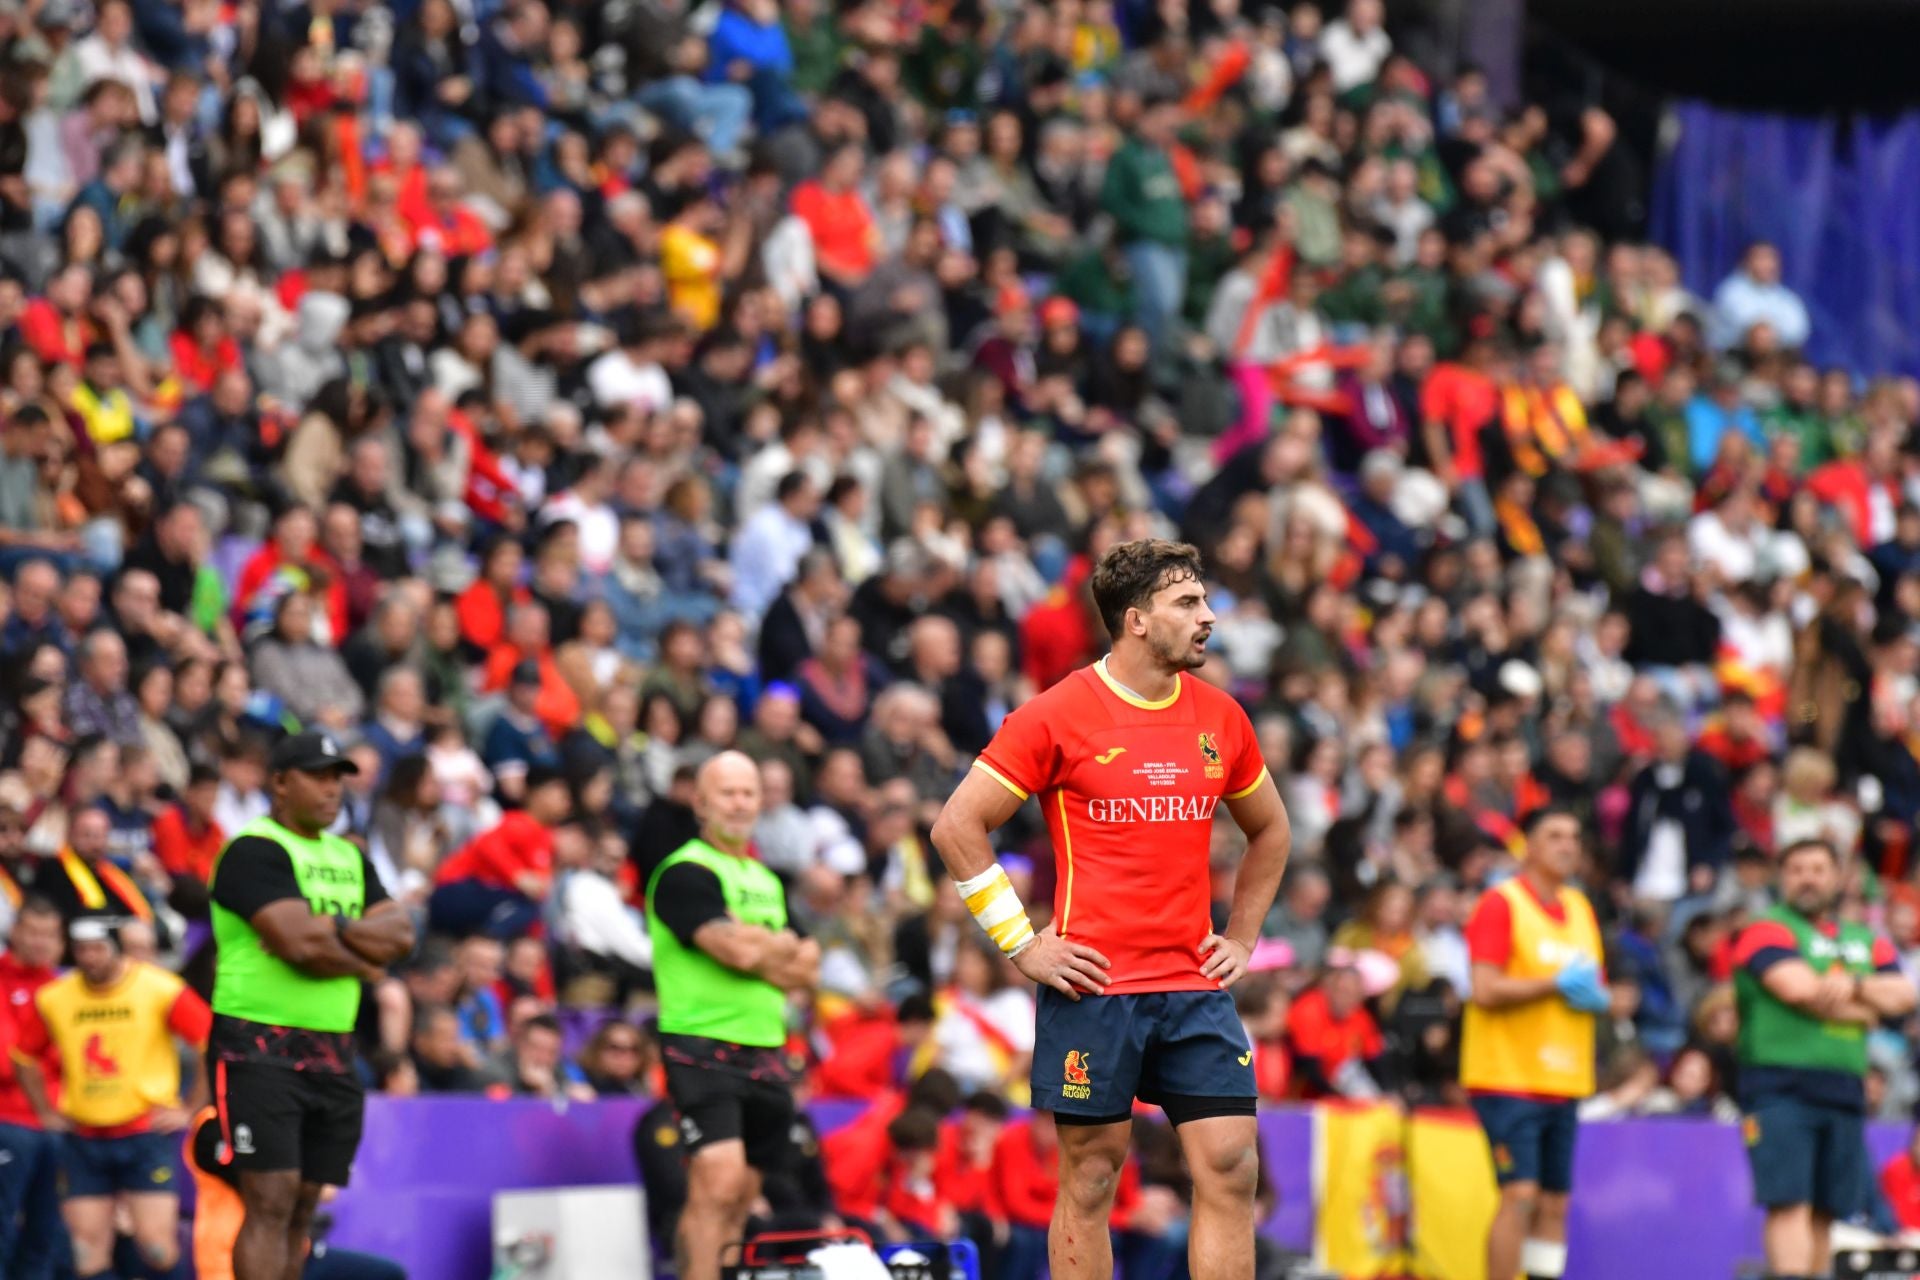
(1671,1200)
(428,1168)
(1655,1199)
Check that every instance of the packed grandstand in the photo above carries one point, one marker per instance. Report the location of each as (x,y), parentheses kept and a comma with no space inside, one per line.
(543,400)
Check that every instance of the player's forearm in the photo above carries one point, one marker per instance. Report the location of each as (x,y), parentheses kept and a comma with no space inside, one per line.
(964,844)
(1888,994)
(194,1095)
(34,1085)
(382,938)
(1495,990)
(329,957)
(1258,880)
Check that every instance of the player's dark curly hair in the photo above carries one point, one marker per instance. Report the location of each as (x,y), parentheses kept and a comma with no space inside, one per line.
(1129,574)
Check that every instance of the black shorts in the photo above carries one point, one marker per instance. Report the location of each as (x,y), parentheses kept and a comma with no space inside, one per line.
(718,1103)
(274,1118)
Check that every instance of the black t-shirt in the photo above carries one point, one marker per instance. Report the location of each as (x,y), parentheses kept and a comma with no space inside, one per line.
(688,895)
(255,873)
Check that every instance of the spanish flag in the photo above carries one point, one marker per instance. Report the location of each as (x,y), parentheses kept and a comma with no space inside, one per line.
(1450,1178)
(1401,1196)
(1361,1210)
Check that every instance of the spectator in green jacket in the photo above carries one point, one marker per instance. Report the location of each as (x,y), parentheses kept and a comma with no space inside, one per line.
(1142,195)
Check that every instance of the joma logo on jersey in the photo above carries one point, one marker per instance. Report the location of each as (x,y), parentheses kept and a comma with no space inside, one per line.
(1078,1085)
(1211,753)
(1152,808)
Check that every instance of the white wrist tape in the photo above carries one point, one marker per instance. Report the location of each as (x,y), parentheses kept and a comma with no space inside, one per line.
(998,908)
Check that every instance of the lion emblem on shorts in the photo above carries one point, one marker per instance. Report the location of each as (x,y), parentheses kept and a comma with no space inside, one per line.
(1074,1070)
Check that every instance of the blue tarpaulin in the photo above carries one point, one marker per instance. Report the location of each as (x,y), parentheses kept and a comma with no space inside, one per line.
(1839,196)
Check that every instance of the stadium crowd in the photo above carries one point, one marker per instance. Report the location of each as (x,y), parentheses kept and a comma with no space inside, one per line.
(544,399)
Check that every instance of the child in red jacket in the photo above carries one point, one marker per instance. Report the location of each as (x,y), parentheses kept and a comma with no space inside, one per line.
(914,1207)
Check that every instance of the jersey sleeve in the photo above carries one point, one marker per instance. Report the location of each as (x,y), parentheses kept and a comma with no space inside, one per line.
(374,892)
(1885,958)
(1490,931)
(1246,767)
(190,1018)
(1764,944)
(30,1031)
(685,897)
(1022,754)
(254,873)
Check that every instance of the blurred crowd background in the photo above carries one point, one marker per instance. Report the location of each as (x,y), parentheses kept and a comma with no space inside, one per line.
(546,398)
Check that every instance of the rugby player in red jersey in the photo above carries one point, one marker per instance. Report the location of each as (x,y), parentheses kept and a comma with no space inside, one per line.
(1129,760)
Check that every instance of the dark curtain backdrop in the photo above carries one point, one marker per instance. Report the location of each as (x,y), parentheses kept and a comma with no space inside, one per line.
(1840,196)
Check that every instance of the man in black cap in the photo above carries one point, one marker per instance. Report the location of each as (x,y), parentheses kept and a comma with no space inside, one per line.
(301,921)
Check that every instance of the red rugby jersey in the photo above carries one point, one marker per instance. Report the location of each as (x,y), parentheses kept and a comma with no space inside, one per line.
(1129,788)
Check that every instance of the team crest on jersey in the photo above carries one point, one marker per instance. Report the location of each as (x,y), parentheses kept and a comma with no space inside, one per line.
(1211,752)
(1074,1072)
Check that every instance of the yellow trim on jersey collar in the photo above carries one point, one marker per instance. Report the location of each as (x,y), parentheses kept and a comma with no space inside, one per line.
(1133,699)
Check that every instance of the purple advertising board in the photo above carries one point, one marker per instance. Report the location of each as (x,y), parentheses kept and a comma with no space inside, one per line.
(1656,1199)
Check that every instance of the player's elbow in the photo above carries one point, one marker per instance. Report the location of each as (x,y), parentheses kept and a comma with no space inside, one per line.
(954,825)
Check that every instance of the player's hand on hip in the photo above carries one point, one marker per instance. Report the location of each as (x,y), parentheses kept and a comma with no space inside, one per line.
(1226,959)
(1067,967)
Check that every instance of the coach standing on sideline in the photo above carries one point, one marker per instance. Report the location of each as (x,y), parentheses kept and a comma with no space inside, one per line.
(1809,987)
(300,920)
(724,960)
(1527,1046)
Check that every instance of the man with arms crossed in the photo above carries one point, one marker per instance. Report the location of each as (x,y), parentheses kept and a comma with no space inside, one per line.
(1810,987)
(724,960)
(301,921)
(1129,759)
(1527,1044)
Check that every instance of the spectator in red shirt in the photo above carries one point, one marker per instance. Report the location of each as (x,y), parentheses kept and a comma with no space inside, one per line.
(186,838)
(495,885)
(963,1167)
(55,325)
(916,1206)
(870,1055)
(202,348)
(1900,1183)
(440,221)
(1457,404)
(528,639)
(1334,1040)
(844,235)
(1737,737)
(295,543)
(483,606)
(27,1174)
(856,1154)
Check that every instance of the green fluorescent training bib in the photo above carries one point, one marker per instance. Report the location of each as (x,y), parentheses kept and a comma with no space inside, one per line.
(699,996)
(251,982)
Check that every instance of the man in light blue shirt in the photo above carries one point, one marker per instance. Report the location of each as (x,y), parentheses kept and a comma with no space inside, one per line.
(769,547)
(1754,295)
